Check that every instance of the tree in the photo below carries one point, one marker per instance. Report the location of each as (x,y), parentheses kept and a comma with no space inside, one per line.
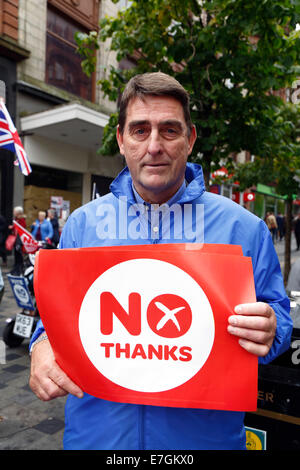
(231,56)
(280,167)
(227,54)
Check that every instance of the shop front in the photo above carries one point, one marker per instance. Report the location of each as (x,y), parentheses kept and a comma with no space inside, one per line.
(267,200)
(62,145)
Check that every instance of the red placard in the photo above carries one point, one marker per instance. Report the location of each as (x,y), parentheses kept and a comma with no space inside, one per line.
(29,243)
(148,324)
(249,197)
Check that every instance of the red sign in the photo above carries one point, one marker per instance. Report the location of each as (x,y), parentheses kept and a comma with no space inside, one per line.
(148,324)
(236,197)
(29,243)
(221,172)
(249,197)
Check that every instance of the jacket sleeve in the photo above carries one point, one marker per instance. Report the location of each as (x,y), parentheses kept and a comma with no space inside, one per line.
(270,288)
(49,230)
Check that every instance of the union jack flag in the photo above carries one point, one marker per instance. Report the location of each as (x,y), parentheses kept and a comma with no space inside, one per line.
(9,139)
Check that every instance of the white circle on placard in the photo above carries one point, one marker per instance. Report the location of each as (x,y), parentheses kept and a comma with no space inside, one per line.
(176,321)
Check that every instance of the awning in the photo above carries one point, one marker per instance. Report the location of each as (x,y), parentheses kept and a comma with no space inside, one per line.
(71,123)
(271,191)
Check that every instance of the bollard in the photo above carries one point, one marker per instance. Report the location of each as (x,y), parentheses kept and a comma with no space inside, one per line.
(2,352)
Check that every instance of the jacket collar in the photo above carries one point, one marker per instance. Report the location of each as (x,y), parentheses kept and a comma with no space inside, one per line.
(122,184)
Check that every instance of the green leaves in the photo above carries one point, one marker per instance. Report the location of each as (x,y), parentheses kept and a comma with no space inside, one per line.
(230,55)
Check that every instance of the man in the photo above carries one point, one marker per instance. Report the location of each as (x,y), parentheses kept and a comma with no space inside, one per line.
(281,225)
(156,136)
(3,237)
(297,230)
(18,216)
(55,226)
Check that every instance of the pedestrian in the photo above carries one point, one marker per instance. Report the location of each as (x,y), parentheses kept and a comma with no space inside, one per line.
(156,136)
(55,226)
(272,225)
(293,283)
(280,224)
(41,229)
(20,218)
(3,236)
(1,285)
(297,230)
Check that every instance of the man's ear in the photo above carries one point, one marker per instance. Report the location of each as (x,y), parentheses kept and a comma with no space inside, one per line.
(120,140)
(192,139)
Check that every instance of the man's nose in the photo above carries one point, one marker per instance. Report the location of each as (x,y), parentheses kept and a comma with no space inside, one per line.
(154,143)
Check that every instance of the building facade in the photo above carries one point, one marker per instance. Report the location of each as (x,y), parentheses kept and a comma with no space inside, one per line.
(59,112)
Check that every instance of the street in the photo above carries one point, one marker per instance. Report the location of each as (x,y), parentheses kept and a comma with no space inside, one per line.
(26,423)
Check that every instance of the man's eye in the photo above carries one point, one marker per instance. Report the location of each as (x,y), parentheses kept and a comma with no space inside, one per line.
(140,132)
(169,132)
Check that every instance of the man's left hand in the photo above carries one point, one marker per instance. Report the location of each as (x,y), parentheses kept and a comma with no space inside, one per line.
(255,325)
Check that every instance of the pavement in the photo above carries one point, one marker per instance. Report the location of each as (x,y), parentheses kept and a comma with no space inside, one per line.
(26,423)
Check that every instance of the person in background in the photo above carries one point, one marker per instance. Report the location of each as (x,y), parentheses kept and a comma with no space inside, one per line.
(3,236)
(42,229)
(1,285)
(54,222)
(297,230)
(272,225)
(20,218)
(281,226)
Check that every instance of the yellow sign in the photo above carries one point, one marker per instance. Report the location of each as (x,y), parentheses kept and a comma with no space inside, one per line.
(255,439)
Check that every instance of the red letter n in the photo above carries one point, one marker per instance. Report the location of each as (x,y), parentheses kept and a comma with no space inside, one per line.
(109,306)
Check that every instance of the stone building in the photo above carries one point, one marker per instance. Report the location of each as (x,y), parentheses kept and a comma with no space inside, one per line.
(59,112)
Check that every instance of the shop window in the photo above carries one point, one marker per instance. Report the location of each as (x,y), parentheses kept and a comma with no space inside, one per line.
(63,64)
(100,185)
(270,204)
(226,191)
(259,205)
(53,178)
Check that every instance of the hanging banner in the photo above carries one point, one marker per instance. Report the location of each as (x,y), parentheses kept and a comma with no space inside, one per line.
(148,324)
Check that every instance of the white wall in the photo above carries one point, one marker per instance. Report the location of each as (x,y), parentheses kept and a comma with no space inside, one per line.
(54,154)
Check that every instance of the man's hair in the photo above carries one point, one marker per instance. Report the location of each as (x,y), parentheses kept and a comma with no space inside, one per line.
(154,84)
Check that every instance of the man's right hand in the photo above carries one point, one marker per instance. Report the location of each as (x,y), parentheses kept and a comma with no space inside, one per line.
(47,380)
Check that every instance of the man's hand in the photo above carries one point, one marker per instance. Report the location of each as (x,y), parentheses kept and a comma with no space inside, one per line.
(47,380)
(255,325)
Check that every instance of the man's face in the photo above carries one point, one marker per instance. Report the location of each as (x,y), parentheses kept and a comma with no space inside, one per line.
(156,145)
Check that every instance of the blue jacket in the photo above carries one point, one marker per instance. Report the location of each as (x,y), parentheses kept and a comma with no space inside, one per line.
(97,424)
(46,229)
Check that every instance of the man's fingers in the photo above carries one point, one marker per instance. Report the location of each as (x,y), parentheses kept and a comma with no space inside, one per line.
(46,390)
(254,335)
(47,379)
(254,348)
(251,322)
(255,326)
(256,308)
(64,383)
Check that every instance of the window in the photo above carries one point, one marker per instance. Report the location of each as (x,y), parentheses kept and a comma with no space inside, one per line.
(63,65)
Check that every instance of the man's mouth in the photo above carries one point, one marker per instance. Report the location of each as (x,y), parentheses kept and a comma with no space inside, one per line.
(156,164)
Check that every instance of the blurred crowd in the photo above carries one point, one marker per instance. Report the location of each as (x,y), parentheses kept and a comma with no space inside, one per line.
(45,228)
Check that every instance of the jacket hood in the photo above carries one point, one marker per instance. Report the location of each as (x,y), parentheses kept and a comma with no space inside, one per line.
(122,184)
